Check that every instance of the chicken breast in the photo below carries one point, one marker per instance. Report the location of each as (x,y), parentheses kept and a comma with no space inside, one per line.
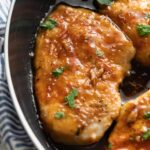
(80,59)
(133,17)
(132,131)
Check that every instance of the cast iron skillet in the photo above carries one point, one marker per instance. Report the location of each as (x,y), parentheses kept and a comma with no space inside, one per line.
(23,21)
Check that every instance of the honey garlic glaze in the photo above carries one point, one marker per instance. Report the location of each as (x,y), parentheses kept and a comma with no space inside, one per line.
(132,131)
(132,16)
(81,57)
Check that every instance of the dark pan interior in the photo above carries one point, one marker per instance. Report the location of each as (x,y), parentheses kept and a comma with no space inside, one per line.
(25,19)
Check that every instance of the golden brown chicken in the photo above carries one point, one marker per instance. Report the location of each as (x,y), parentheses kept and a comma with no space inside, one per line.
(132,131)
(81,57)
(133,17)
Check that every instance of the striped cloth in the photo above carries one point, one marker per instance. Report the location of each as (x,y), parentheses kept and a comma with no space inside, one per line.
(12,133)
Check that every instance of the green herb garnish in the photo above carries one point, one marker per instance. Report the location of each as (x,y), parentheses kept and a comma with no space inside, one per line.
(146,135)
(48,24)
(147,115)
(70,98)
(109,146)
(105,2)
(99,53)
(58,71)
(59,115)
(143,30)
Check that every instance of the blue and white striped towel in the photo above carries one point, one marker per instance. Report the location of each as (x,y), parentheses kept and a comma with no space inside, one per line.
(12,133)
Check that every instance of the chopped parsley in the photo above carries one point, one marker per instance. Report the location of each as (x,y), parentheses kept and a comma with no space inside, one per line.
(147,115)
(146,135)
(105,2)
(99,53)
(48,24)
(143,30)
(59,115)
(70,98)
(57,72)
(109,146)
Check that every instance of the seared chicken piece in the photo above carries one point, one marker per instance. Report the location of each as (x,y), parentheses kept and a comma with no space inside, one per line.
(133,17)
(132,131)
(80,61)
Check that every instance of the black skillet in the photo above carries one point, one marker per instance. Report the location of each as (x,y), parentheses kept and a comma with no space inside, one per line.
(24,19)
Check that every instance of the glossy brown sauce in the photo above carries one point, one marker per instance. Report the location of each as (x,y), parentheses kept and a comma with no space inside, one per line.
(134,84)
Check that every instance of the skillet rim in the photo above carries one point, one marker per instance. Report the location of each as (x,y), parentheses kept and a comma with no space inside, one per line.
(17,106)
